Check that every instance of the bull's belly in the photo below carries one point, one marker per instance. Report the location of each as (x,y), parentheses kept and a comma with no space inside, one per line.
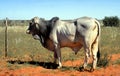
(71,44)
(70,41)
(65,42)
(75,46)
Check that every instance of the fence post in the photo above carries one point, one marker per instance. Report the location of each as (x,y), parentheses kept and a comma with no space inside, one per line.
(6,39)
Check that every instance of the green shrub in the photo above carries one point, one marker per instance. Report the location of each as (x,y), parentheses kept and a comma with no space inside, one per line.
(111,21)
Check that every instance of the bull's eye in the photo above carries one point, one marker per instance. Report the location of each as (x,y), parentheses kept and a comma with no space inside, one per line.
(30,23)
(32,26)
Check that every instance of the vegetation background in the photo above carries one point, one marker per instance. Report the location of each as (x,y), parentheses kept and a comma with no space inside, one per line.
(23,47)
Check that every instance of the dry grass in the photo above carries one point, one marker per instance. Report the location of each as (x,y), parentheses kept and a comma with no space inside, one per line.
(24,47)
(110,40)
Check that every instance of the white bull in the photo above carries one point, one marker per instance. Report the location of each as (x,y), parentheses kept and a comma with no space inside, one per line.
(55,34)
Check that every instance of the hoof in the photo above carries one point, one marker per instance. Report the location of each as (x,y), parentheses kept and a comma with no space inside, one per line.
(91,70)
(59,67)
(82,69)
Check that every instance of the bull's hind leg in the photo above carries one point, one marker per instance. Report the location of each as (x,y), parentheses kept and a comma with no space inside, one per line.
(94,54)
(87,50)
(87,56)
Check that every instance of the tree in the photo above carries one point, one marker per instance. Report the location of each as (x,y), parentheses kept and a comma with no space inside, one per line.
(111,21)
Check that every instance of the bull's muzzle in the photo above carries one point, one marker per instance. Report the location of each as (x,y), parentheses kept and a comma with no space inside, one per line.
(28,31)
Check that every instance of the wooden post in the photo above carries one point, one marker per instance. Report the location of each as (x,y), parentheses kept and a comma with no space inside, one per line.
(6,39)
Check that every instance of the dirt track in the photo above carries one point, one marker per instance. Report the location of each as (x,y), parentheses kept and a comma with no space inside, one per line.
(111,70)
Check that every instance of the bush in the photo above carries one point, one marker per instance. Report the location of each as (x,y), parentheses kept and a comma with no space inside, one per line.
(104,61)
(111,21)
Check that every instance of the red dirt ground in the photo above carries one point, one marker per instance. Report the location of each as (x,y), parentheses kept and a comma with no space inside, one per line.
(111,70)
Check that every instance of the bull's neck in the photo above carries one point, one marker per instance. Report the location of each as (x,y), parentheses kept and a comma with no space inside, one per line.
(44,36)
(43,39)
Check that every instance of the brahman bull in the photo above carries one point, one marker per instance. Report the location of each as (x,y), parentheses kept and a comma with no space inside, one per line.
(55,34)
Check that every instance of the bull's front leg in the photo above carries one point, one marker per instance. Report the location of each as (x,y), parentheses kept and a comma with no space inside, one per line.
(53,37)
(58,54)
(55,57)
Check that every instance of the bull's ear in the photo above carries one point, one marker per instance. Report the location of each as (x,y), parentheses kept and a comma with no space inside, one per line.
(53,20)
(37,26)
(36,20)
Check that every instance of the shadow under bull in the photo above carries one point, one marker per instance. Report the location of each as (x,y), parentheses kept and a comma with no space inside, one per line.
(47,65)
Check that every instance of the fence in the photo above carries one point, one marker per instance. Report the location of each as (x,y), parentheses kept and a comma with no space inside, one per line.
(15,43)
(6,39)
(14,25)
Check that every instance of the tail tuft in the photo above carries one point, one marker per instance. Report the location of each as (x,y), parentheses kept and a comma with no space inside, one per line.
(98,54)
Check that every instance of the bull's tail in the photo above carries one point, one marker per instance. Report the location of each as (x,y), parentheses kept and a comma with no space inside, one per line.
(98,36)
(98,26)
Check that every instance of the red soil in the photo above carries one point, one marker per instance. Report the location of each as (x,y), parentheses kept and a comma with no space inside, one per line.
(111,70)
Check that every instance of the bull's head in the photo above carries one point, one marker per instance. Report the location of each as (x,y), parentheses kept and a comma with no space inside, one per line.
(35,27)
(39,27)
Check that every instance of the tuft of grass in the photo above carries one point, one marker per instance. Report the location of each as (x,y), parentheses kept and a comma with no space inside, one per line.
(104,61)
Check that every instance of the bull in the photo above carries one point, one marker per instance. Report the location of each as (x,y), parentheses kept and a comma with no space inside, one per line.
(55,33)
